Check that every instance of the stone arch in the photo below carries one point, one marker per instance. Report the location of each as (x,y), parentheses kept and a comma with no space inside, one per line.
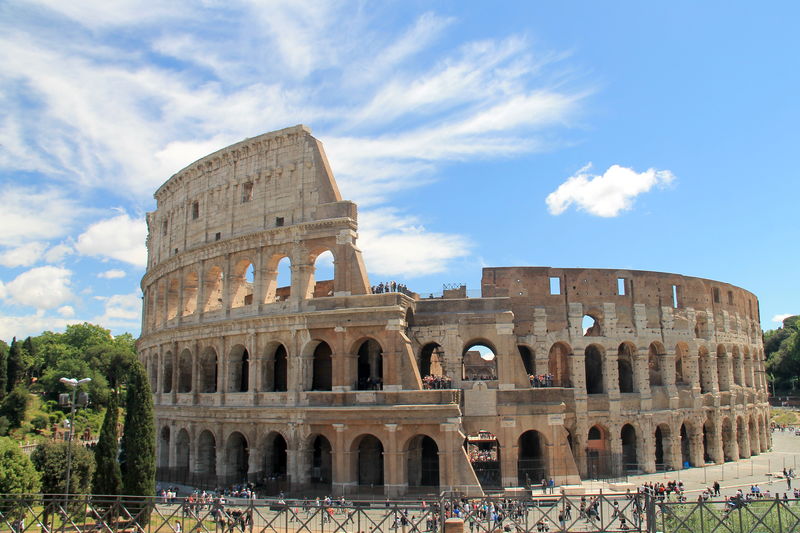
(190,285)
(185,371)
(431,359)
(422,461)
(723,373)
(242,283)
(163,447)
(369,370)
(280,369)
(321,367)
(709,440)
(323,276)
(663,444)
(275,457)
(367,450)
(736,366)
(626,355)
(630,458)
(729,440)
(558,364)
(681,364)
(706,370)
(598,452)
(278,278)
(531,458)
(212,284)
(655,366)
(321,461)
(479,360)
(701,325)
(166,382)
(593,369)
(182,448)
(173,297)
(208,370)
(206,454)
(591,324)
(528,358)
(238,369)
(237,458)
(685,445)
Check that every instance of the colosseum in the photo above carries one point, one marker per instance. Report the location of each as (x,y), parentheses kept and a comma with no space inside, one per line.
(339,387)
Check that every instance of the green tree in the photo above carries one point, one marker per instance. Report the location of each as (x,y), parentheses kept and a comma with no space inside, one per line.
(138,436)
(3,369)
(50,459)
(15,365)
(14,406)
(30,356)
(108,476)
(17,474)
(782,351)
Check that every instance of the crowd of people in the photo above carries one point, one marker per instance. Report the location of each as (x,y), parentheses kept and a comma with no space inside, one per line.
(481,456)
(390,286)
(541,380)
(437,382)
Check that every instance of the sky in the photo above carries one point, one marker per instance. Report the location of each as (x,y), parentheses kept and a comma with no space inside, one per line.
(632,135)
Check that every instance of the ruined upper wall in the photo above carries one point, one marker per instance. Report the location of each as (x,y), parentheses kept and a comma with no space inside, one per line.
(530,287)
(277,179)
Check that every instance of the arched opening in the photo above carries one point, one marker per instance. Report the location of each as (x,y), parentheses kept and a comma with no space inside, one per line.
(280,369)
(655,355)
(479,362)
(558,364)
(242,283)
(161,298)
(723,372)
(706,371)
(167,381)
(185,371)
(190,285)
(625,357)
(483,451)
(630,459)
(663,438)
(182,454)
(728,441)
(748,368)
(598,453)
(709,441)
(238,369)
(213,289)
(163,448)
(321,462)
(322,368)
(275,463)
(590,326)
(431,368)
(370,366)
(173,296)
(322,280)
(422,462)
(736,360)
(153,366)
(681,353)
(686,456)
(208,371)
(207,455)
(532,459)
(281,286)
(369,460)
(237,458)
(741,438)
(528,361)
(593,367)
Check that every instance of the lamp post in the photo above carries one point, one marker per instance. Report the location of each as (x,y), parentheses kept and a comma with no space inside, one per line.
(74,384)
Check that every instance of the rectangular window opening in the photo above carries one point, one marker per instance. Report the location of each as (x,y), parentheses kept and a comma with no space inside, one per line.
(164,227)
(247,192)
(730,297)
(716,295)
(218,236)
(278,221)
(555,285)
(195,210)
(621,286)
(675,296)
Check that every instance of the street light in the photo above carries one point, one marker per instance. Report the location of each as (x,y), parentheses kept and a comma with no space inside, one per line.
(74,384)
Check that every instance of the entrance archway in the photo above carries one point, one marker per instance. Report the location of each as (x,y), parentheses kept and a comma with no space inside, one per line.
(370,366)
(422,462)
(598,453)
(663,441)
(593,367)
(322,368)
(369,460)
(532,459)
(237,458)
(625,357)
(321,463)
(630,459)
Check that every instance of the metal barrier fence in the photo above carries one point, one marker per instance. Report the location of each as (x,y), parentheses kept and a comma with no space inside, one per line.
(549,513)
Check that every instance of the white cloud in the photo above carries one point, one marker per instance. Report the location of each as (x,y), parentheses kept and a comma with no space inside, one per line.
(121,310)
(31,214)
(780,318)
(58,252)
(44,287)
(25,255)
(66,311)
(608,194)
(114,273)
(395,245)
(31,325)
(120,238)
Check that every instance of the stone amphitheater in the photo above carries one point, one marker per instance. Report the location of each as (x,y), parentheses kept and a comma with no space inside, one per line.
(331,385)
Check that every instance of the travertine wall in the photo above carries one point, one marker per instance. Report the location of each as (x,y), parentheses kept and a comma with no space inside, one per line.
(320,382)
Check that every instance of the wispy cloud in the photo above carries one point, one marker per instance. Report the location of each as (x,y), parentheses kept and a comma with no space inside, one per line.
(607,194)
(120,237)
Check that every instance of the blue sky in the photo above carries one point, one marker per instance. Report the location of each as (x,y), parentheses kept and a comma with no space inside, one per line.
(637,135)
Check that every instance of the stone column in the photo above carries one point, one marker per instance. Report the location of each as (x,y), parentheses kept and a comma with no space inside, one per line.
(509,454)
(615,446)
(301,281)
(611,374)
(675,458)
(578,372)
(744,449)
(173,448)
(342,480)
(696,452)
(580,440)
(201,288)
(394,482)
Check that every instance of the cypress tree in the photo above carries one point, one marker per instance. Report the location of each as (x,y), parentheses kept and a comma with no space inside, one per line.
(139,436)
(108,477)
(3,369)
(14,365)
(30,356)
